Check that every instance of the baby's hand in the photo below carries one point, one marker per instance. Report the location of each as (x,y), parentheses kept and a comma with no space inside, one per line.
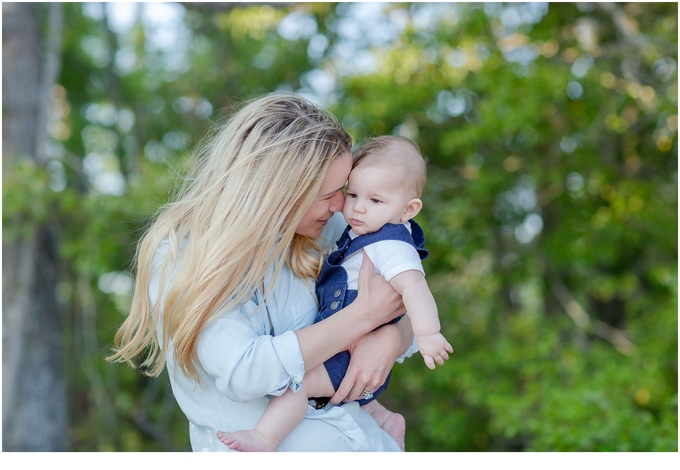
(434,349)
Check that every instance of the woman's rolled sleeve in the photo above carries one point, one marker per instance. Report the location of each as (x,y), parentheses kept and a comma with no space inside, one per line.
(288,349)
(247,365)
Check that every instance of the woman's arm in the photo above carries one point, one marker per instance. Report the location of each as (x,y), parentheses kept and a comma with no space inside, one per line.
(376,304)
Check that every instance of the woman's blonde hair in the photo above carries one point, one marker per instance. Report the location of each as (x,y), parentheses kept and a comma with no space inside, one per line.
(233,217)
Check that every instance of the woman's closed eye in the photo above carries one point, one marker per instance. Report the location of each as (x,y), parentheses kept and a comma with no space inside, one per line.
(325,198)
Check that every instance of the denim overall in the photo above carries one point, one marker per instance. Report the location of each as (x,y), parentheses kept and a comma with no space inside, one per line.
(333,294)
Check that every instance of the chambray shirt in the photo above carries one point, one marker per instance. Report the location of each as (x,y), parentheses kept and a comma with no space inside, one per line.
(243,366)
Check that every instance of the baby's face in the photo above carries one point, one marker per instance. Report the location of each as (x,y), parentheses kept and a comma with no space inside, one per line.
(375,197)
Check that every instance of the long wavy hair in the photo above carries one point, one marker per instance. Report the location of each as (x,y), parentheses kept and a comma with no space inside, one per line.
(233,217)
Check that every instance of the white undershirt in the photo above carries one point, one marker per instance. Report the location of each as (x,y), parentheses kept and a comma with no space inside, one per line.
(389,258)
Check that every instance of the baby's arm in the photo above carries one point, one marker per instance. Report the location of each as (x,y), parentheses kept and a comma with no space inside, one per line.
(422,310)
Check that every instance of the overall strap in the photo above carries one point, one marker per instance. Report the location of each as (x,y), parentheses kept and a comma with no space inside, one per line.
(419,239)
(389,232)
(343,242)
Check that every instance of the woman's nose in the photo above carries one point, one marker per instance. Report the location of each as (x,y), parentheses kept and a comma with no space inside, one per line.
(337,202)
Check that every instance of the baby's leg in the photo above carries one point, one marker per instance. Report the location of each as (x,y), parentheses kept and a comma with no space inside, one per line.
(281,416)
(393,424)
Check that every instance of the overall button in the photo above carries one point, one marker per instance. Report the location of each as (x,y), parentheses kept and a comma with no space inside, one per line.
(334,305)
(337,293)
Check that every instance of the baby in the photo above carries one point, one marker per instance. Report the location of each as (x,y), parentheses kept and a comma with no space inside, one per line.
(383,196)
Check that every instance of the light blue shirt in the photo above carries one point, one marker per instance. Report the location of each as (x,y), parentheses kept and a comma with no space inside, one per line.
(243,365)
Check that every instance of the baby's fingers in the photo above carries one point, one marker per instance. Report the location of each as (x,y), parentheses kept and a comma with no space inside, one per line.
(440,359)
(429,362)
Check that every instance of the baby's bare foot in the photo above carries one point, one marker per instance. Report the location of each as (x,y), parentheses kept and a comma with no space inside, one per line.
(395,426)
(246,441)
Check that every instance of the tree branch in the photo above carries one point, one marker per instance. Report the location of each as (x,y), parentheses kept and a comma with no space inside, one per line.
(583,321)
(624,25)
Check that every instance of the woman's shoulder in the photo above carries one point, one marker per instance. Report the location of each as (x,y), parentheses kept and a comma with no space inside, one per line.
(166,247)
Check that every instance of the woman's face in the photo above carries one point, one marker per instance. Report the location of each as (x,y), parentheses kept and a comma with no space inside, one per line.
(329,200)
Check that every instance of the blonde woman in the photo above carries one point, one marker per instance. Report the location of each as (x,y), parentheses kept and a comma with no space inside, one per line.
(383,197)
(224,293)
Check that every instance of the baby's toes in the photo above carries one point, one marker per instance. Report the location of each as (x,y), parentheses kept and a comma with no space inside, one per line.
(225,438)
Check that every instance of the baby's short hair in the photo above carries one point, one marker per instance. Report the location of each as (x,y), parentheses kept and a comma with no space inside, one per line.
(398,153)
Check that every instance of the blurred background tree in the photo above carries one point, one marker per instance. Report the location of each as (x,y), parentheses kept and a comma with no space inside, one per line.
(550,210)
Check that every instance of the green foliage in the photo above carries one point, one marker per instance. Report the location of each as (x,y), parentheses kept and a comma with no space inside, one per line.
(524,376)
(536,123)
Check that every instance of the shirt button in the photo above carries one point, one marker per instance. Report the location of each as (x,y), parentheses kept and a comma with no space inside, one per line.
(337,293)
(334,305)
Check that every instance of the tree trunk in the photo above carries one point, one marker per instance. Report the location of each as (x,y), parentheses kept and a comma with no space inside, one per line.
(34,415)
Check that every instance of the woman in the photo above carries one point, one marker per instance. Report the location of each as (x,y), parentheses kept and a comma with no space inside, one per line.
(224,293)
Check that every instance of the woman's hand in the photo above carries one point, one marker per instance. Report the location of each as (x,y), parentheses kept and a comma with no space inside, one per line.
(372,358)
(378,299)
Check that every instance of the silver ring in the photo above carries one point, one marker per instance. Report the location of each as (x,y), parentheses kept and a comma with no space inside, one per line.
(368,394)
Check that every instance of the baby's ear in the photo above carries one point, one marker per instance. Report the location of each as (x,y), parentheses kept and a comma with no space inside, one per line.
(412,209)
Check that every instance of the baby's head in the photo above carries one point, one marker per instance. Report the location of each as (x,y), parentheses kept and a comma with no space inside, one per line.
(385,185)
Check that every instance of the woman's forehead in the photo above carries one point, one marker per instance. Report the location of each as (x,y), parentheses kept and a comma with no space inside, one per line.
(337,175)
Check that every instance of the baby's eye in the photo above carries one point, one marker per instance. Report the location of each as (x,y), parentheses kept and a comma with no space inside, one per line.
(374,200)
(352,195)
